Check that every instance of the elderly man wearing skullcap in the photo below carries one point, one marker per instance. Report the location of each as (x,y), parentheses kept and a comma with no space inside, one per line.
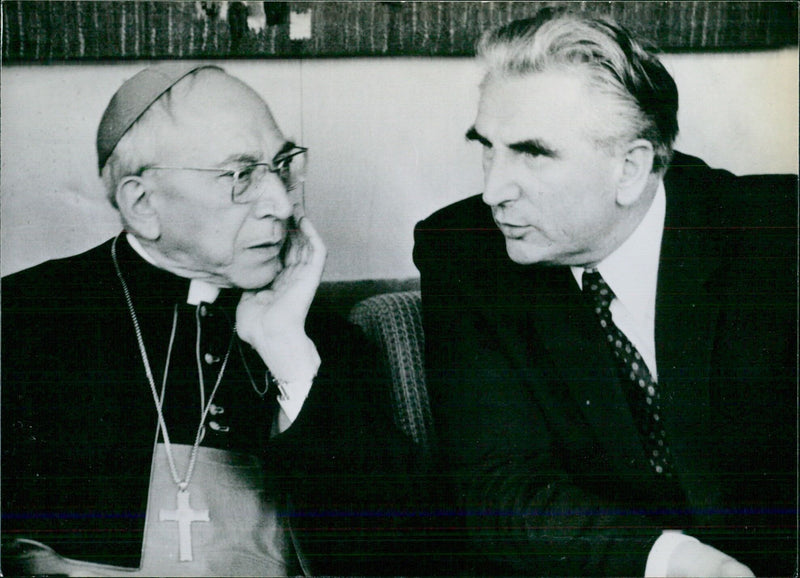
(168,405)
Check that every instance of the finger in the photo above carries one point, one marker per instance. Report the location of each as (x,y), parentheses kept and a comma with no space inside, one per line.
(318,251)
(304,253)
(295,243)
(299,203)
(310,232)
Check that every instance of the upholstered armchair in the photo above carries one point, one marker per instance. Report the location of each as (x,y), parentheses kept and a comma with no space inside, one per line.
(393,321)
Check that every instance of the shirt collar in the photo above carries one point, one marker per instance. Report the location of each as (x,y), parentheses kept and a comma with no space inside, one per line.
(199,290)
(632,269)
(202,291)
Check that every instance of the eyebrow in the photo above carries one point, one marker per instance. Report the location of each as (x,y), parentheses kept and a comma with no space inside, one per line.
(530,146)
(287,147)
(533,147)
(474,135)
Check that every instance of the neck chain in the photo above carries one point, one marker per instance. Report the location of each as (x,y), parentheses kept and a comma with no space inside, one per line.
(159,400)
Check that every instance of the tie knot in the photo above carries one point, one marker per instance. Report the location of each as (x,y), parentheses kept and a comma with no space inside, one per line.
(596,288)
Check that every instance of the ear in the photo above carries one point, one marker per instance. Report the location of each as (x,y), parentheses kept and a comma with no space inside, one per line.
(636,171)
(134,200)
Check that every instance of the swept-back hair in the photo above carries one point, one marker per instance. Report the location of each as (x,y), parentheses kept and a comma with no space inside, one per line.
(615,63)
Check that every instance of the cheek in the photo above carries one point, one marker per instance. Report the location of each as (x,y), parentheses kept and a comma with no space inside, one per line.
(227,237)
(553,200)
(573,211)
(215,240)
(252,272)
(487,155)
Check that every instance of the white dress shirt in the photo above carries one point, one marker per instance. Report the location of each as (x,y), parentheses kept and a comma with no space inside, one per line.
(632,274)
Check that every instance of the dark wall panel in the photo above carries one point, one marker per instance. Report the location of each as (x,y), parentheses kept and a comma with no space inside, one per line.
(96,30)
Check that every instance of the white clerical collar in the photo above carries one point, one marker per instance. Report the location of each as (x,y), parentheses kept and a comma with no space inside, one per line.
(632,269)
(199,290)
(202,291)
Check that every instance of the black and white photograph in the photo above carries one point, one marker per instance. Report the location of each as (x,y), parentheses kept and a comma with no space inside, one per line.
(407,288)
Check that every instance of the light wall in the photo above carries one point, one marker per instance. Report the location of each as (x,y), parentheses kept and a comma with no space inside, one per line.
(386,138)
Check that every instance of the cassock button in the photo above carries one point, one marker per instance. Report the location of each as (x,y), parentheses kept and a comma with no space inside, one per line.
(217,427)
(215,409)
(203,311)
(211,359)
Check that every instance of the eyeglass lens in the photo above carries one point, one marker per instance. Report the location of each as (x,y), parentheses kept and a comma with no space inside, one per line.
(290,168)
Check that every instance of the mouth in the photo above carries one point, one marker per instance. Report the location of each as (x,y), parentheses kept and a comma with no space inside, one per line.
(268,247)
(511,231)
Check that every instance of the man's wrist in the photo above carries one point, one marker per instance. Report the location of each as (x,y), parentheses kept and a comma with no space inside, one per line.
(292,371)
(291,359)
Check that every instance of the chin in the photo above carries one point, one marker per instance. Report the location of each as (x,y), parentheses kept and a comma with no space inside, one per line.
(253,279)
(527,254)
(524,253)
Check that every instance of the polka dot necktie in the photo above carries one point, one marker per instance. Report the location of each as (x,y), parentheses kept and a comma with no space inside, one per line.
(640,388)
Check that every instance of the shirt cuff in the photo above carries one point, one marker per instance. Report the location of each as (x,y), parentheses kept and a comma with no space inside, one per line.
(664,546)
(292,395)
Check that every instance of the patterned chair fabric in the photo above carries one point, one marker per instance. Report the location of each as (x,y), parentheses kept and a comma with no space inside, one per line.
(393,321)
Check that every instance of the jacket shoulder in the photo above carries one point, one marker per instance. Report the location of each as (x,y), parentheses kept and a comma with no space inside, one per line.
(758,200)
(464,229)
(464,214)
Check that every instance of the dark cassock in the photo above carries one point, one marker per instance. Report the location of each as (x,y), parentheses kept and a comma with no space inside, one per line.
(139,432)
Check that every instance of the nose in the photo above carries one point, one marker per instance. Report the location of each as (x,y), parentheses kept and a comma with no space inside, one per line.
(499,178)
(273,200)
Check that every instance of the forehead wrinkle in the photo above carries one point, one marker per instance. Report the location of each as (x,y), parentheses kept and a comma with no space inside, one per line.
(253,157)
(591,114)
(204,107)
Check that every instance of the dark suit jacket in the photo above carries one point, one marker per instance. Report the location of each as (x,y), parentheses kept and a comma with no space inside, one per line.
(79,422)
(547,471)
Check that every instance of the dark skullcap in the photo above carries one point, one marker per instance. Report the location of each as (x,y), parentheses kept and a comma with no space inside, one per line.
(133,98)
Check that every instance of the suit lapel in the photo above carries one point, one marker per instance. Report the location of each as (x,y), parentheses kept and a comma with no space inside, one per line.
(686,315)
(562,327)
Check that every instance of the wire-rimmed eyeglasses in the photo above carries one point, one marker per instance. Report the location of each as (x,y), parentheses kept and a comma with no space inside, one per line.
(289,165)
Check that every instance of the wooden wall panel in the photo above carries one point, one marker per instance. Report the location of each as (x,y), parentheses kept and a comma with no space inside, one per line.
(60,30)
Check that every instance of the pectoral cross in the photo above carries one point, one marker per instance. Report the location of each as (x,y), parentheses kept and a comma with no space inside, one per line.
(184,515)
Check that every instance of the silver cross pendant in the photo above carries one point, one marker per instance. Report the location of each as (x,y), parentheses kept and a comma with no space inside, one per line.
(184,515)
